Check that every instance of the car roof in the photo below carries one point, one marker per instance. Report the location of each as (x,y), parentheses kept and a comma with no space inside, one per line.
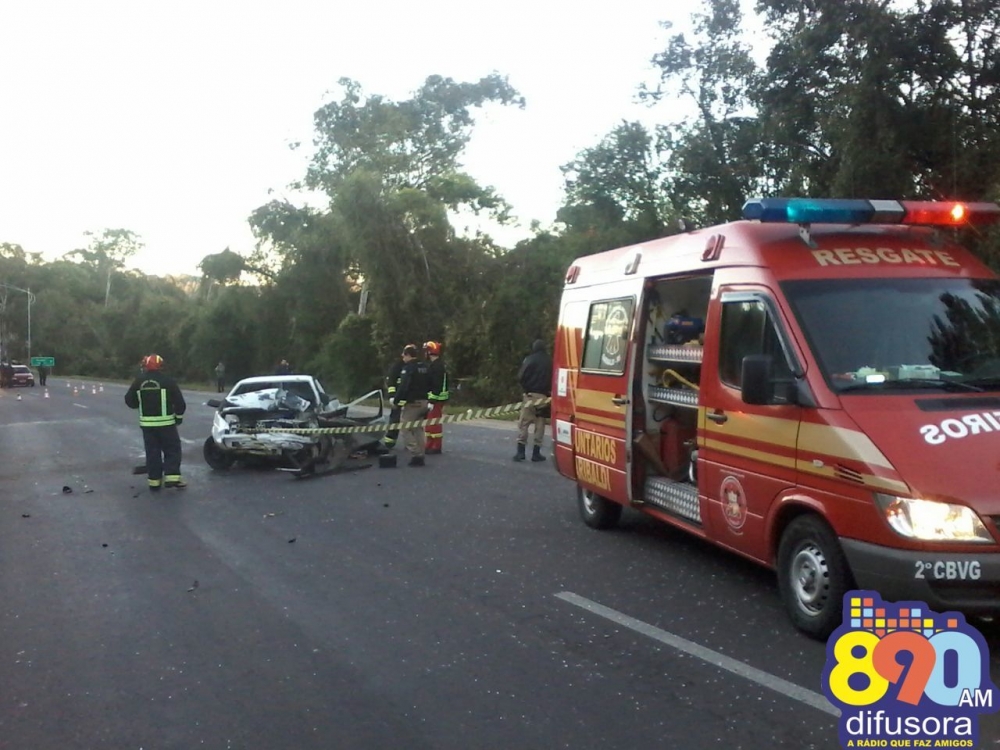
(277,378)
(21,367)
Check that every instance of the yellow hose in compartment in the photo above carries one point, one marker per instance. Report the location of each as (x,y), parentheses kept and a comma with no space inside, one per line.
(678,377)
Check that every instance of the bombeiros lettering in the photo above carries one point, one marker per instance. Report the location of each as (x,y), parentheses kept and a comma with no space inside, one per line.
(961,427)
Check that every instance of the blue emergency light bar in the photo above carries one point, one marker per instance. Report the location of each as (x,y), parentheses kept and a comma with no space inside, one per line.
(859,211)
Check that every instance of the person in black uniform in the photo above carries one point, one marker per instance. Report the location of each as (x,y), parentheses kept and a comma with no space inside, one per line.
(161,408)
(391,385)
(411,397)
(535,377)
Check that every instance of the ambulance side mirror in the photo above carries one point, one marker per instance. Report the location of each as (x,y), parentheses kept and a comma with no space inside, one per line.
(757,382)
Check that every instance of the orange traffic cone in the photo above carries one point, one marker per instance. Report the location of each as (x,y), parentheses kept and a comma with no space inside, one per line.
(101,389)
(93,390)
(76,392)
(46,393)
(18,396)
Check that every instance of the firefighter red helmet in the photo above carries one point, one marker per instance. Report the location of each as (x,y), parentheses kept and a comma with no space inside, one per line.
(152,362)
(433,347)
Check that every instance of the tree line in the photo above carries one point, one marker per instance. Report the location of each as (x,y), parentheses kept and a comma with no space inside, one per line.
(856,98)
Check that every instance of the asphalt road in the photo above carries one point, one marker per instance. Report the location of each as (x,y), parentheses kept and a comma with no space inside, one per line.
(462,605)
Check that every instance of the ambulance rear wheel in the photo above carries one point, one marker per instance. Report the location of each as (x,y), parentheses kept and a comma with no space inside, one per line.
(596,511)
(813,576)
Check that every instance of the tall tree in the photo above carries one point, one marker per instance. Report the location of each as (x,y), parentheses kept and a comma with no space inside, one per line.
(715,160)
(107,252)
(619,181)
(392,172)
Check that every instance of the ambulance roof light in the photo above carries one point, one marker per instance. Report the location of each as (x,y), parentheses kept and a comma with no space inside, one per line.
(859,211)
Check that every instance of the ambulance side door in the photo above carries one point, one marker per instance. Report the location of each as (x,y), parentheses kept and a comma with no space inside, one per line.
(747,453)
(601,447)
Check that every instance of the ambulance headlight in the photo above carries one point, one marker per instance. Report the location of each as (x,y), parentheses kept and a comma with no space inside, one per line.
(932,521)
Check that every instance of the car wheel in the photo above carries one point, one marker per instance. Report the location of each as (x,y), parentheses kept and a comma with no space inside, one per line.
(215,457)
(813,576)
(596,511)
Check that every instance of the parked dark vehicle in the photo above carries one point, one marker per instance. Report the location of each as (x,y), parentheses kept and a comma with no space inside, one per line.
(23,376)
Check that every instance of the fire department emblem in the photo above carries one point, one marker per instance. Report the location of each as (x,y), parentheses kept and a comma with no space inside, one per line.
(734,503)
(615,333)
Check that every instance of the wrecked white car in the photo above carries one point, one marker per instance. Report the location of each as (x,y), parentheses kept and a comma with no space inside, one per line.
(248,423)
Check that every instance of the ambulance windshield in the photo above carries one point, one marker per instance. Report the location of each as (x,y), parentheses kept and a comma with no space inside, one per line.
(897,334)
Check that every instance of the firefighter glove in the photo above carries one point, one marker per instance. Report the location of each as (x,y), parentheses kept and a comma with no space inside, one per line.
(178,419)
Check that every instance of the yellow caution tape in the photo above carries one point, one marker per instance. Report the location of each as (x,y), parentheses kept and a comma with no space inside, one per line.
(444,419)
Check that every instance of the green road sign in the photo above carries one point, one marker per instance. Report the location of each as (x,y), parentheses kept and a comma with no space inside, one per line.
(43,361)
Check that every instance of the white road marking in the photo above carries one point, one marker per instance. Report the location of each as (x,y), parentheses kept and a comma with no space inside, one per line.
(779,685)
(81,406)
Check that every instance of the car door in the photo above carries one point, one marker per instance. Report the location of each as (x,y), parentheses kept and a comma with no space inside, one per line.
(748,451)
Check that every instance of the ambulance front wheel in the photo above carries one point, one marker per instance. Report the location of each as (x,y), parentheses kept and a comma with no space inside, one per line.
(813,575)
(596,511)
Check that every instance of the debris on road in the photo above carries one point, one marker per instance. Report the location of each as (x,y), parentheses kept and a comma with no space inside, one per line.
(194,585)
(67,489)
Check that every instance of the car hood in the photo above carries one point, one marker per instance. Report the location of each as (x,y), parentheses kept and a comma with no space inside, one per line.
(945,447)
(270,399)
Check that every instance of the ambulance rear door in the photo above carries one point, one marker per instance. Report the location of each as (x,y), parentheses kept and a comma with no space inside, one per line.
(601,396)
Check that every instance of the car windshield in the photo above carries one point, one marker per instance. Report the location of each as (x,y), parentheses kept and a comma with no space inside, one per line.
(21,369)
(896,334)
(296,387)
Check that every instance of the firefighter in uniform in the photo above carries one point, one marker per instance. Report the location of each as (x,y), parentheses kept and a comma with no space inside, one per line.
(161,408)
(437,394)
(411,397)
(391,385)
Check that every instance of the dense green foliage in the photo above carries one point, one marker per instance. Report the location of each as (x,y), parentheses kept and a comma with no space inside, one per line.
(857,98)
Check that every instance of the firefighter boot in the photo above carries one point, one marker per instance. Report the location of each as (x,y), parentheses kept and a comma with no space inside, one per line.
(519,456)
(536,454)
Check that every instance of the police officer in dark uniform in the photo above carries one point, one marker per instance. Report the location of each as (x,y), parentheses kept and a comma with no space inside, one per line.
(411,397)
(161,408)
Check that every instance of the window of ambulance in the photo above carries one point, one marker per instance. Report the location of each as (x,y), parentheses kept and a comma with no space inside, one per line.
(607,336)
(883,335)
(748,329)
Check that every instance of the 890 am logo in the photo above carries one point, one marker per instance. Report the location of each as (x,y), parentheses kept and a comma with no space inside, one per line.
(906,676)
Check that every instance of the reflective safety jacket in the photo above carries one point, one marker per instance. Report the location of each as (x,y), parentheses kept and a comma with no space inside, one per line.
(157,398)
(438,373)
(394,377)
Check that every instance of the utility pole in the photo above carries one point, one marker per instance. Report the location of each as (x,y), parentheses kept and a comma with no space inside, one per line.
(31,298)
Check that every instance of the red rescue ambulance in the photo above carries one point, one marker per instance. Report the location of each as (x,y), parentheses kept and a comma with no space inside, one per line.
(816,388)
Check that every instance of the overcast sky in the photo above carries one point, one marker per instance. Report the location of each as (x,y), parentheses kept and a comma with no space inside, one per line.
(173,119)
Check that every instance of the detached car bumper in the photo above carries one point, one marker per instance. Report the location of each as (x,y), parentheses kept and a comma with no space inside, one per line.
(262,444)
(967,582)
